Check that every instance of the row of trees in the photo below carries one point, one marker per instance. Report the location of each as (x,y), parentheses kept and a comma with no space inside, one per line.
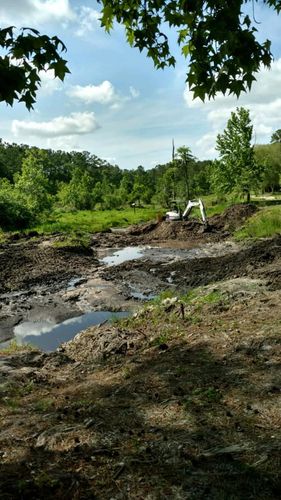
(34,180)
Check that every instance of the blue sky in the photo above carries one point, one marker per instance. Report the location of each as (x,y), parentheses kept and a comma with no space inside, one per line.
(115,104)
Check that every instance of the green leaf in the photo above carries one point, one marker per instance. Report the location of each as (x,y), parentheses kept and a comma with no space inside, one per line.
(185,50)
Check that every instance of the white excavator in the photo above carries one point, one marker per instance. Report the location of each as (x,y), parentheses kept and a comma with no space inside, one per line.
(176,215)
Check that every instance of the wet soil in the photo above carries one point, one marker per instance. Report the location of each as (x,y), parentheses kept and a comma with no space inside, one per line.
(182,401)
(42,281)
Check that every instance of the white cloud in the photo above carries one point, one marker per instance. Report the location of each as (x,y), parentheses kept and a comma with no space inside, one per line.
(74,124)
(134,92)
(103,93)
(263,101)
(29,12)
(49,84)
(88,21)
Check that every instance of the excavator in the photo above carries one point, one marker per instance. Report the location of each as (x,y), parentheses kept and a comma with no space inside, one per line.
(176,214)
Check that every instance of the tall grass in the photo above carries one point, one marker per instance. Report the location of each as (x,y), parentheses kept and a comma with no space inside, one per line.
(94,221)
(263,224)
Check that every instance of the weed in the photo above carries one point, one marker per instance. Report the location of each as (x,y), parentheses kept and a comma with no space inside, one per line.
(166,294)
(11,403)
(15,390)
(14,347)
(42,405)
(127,372)
(43,480)
(26,388)
(161,339)
(75,240)
(199,297)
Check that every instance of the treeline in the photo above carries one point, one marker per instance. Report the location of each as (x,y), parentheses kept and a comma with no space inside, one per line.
(33,181)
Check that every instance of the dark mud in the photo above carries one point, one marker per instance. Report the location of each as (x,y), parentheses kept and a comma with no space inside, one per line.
(260,260)
(25,264)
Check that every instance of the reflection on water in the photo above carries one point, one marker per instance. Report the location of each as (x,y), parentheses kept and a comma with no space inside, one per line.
(122,255)
(48,336)
(168,254)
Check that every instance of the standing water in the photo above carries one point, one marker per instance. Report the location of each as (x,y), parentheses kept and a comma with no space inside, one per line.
(48,336)
(122,255)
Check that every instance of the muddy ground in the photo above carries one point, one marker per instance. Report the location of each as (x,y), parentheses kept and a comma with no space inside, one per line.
(180,402)
(39,279)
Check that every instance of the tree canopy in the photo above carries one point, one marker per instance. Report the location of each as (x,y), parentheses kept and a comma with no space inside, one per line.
(25,55)
(237,171)
(218,36)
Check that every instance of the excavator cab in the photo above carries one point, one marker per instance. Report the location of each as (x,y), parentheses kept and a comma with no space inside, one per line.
(176,215)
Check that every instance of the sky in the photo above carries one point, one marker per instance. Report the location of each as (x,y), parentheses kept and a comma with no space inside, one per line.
(115,104)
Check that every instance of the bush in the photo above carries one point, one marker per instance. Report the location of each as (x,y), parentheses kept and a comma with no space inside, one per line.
(14,214)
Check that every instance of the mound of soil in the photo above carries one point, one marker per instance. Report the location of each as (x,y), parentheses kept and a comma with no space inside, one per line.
(192,231)
(261,260)
(233,217)
(218,226)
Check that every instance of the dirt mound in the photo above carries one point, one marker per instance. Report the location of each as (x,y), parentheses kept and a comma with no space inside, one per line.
(232,217)
(140,229)
(219,226)
(192,230)
(261,260)
(176,230)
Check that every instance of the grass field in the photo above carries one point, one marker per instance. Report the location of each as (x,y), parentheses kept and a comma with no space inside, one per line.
(265,223)
(93,221)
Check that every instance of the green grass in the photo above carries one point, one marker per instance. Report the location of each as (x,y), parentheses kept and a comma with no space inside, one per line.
(14,347)
(87,221)
(264,224)
(79,240)
(201,295)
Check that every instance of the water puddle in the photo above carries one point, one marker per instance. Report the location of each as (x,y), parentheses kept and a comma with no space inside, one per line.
(122,255)
(48,336)
(165,254)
